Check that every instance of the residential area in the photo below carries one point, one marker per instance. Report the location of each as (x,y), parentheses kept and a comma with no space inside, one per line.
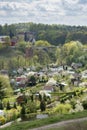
(39,80)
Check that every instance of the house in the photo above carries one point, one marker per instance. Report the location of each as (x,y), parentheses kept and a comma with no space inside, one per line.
(29,37)
(51,82)
(84,74)
(2,113)
(4,72)
(76,65)
(61,85)
(49,89)
(26,36)
(20,99)
(76,79)
(13,41)
(3,39)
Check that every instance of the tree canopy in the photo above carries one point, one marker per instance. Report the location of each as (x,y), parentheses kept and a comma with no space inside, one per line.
(54,34)
(5,88)
(71,52)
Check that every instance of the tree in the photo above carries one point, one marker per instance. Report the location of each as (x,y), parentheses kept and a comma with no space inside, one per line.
(2,93)
(32,97)
(8,106)
(14,106)
(23,112)
(1,105)
(42,43)
(70,52)
(42,105)
(40,97)
(5,88)
(32,80)
(30,107)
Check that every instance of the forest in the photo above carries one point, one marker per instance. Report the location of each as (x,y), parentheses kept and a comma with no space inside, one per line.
(54,34)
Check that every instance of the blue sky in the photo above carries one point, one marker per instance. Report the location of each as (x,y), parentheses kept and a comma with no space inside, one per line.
(69,12)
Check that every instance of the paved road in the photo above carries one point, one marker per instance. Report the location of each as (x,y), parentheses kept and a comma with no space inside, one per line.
(59,124)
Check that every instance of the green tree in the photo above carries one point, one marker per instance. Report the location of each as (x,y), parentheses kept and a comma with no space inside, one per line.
(5,88)
(8,106)
(30,107)
(70,52)
(2,93)
(42,105)
(15,106)
(42,43)
(1,105)
(32,80)
(23,112)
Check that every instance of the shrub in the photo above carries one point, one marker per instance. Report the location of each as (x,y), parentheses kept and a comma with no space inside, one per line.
(30,107)
(73,103)
(2,120)
(79,107)
(84,103)
(12,114)
(63,108)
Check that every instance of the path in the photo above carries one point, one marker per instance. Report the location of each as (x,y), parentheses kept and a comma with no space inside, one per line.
(59,124)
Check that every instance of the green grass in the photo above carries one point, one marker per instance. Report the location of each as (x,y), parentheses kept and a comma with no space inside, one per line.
(37,123)
(74,126)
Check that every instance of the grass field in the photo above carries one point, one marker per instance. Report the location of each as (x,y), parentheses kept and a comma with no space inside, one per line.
(41,122)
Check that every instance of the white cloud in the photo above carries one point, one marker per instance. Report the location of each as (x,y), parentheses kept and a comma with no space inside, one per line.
(72,1)
(50,11)
(2,13)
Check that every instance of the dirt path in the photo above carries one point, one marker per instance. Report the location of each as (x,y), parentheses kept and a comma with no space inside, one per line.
(63,123)
(55,125)
(7,124)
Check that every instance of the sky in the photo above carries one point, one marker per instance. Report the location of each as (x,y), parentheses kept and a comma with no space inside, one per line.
(68,12)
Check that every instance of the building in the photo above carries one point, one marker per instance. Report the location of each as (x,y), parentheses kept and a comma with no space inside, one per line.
(3,39)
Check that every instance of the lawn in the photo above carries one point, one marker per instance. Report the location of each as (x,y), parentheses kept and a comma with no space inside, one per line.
(41,122)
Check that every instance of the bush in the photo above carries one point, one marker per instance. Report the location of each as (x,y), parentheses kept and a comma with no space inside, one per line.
(84,104)
(2,120)
(12,114)
(30,116)
(79,107)
(62,108)
(30,107)
(73,103)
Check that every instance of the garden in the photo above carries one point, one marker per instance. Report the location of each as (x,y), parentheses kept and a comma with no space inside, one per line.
(32,101)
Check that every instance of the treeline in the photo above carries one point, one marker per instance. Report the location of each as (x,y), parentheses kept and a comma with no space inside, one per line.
(54,34)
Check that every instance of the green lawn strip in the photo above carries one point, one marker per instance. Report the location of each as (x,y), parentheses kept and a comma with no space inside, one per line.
(41,122)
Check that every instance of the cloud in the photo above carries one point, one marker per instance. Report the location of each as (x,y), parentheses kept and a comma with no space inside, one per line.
(44,11)
(83,1)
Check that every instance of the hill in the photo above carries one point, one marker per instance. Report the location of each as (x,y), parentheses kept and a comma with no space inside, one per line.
(54,34)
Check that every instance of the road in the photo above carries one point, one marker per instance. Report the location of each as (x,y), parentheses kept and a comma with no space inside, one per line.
(59,124)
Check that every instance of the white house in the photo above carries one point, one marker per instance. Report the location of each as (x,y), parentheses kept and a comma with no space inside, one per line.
(3,39)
